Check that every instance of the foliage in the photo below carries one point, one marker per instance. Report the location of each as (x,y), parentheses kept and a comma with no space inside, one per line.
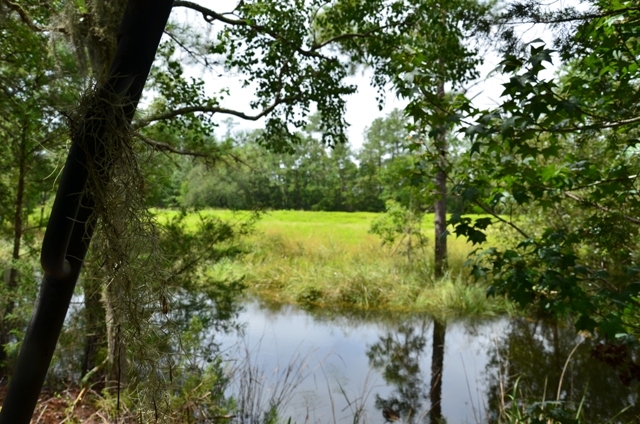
(139,281)
(555,163)
(565,146)
(309,177)
(173,356)
(270,46)
(35,80)
(400,222)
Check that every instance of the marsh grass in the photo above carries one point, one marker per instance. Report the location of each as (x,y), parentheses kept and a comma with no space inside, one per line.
(330,259)
(261,397)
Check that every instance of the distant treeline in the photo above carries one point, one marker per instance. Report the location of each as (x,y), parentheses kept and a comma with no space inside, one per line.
(310,176)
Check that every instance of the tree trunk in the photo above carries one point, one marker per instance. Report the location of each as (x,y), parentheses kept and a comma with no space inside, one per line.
(440,206)
(70,227)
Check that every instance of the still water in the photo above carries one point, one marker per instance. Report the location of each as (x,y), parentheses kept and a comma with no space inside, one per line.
(334,367)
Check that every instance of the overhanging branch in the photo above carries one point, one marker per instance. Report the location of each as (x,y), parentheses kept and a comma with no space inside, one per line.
(209,109)
(210,15)
(557,19)
(28,20)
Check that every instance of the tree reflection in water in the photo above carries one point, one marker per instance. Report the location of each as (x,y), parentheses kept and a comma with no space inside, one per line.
(437,363)
(397,355)
(534,355)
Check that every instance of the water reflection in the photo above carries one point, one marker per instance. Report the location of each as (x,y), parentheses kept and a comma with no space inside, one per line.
(398,355)
(533,355)
(399,367)
(437,369)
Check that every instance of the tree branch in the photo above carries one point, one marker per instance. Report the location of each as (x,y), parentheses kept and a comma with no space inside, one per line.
(209,109)
(596,126)
(558,20)
(187,49)
(166,147)
(208,14)
(27,20)
(600,207)
(211,15)
(349,36)
(501,219)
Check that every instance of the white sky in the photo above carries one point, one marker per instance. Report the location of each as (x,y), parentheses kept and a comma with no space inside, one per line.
(362,107)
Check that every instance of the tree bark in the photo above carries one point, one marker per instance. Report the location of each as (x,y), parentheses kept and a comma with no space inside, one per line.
(440,206)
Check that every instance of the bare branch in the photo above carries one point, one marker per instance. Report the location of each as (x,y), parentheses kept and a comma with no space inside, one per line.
(208,14)
(191,53)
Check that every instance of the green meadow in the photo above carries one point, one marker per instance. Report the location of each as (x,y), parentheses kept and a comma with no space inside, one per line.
(329,259)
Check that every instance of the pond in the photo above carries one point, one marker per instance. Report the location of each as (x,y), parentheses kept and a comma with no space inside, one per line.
(325,367)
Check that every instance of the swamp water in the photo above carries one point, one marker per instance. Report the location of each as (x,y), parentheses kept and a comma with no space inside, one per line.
(343,368)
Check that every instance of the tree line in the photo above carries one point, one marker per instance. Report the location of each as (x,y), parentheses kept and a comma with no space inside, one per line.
(309,176)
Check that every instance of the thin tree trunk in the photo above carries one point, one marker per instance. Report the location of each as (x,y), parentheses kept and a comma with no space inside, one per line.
(297,189)
(440,206)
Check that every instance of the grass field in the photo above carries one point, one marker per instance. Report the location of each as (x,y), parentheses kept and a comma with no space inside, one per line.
(329,259)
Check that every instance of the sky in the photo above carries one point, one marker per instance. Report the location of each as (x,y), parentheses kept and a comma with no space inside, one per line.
(361,107)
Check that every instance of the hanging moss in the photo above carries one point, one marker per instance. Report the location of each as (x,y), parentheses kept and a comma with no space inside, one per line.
(126,246)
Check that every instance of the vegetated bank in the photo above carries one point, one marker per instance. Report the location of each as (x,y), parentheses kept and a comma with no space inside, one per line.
(332,260)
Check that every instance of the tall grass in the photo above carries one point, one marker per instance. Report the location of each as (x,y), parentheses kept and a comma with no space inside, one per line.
(260,398)
(330,259)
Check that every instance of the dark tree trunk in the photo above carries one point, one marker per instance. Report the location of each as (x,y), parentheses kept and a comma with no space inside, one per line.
(70,227)
(440,206)
(437,365)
